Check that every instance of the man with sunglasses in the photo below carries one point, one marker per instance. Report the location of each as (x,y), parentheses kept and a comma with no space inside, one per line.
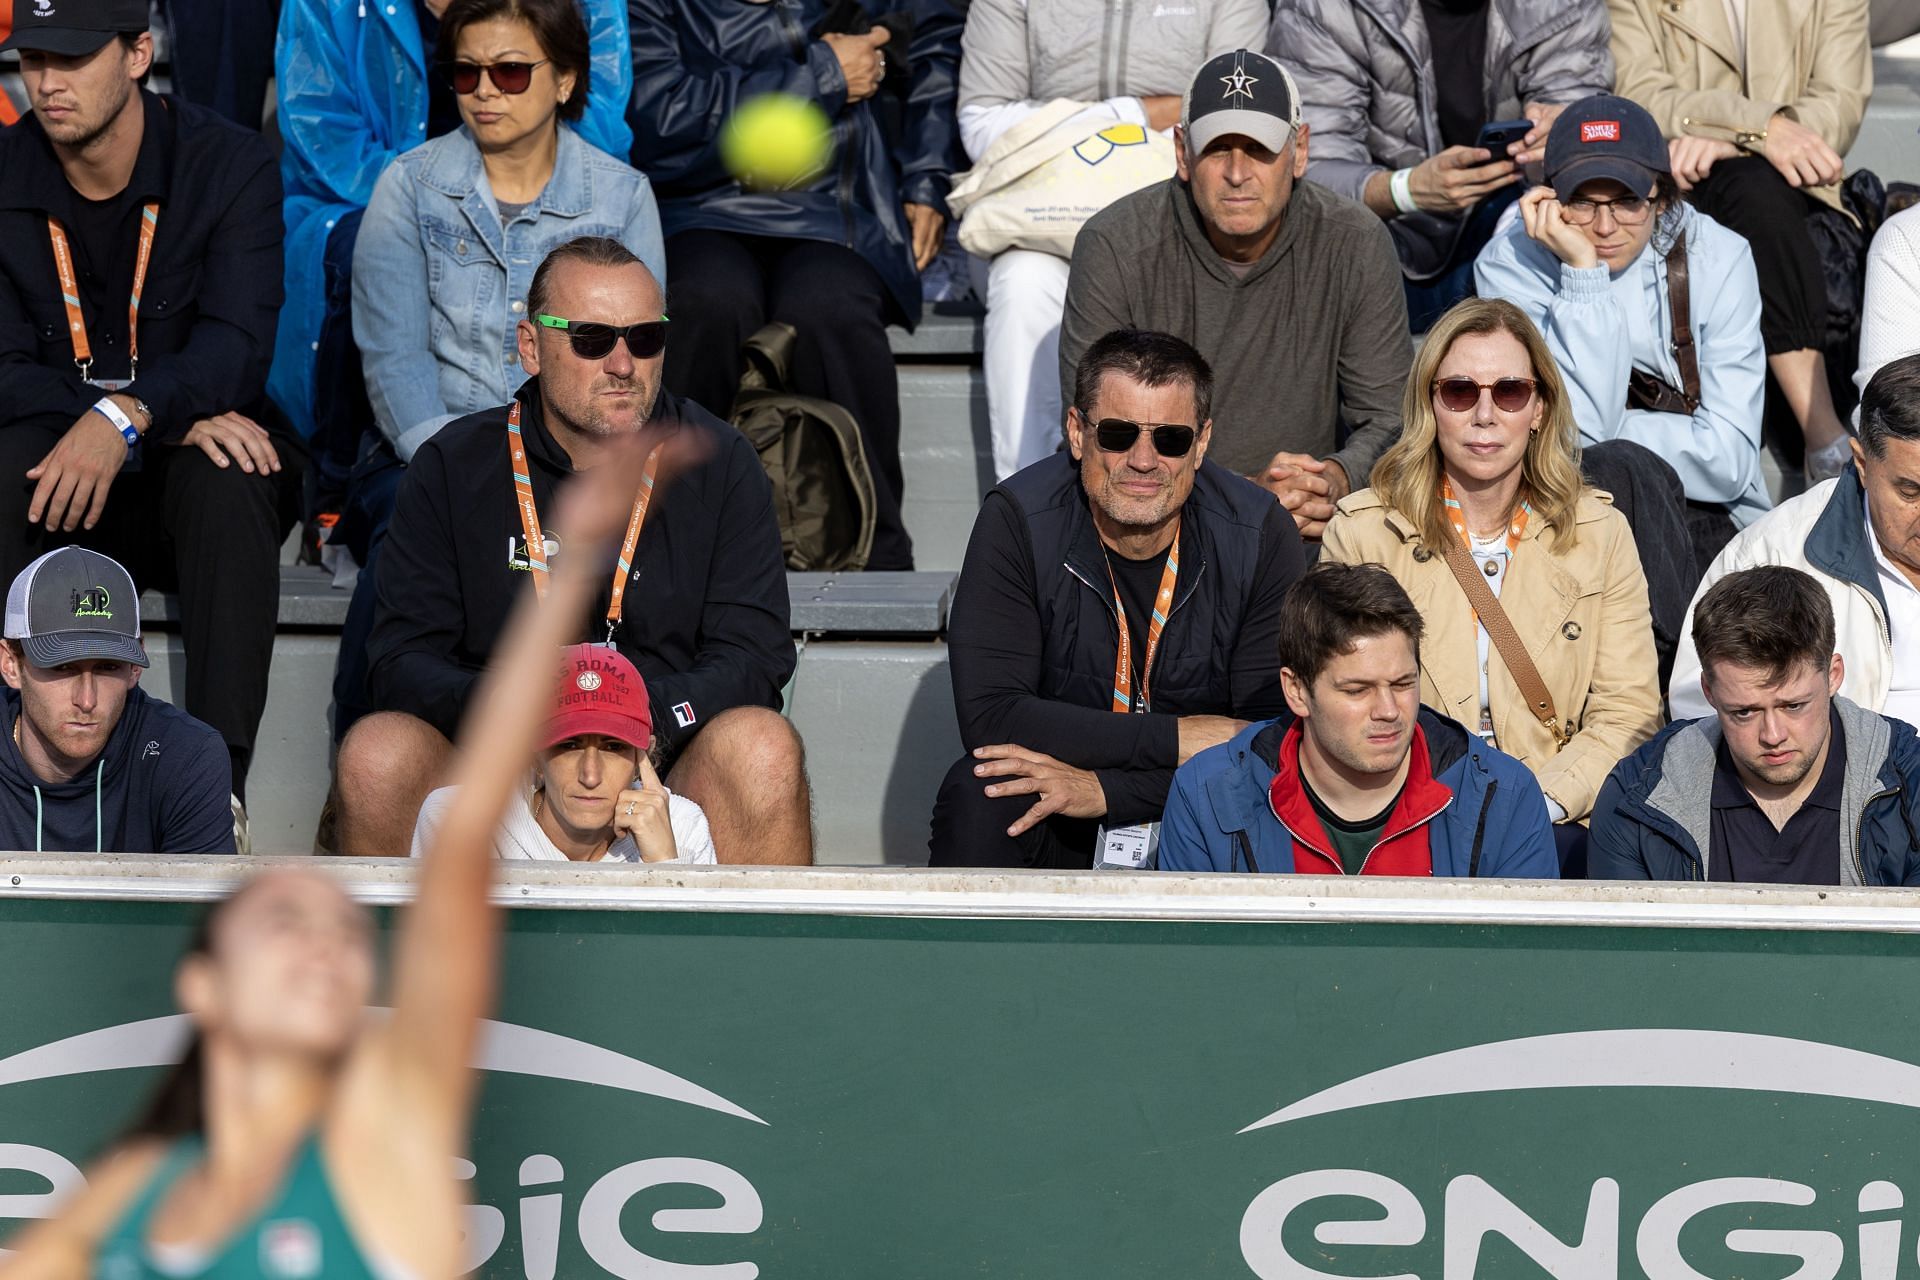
(1117,613)
(697,601)
(140,258)
(1290,291)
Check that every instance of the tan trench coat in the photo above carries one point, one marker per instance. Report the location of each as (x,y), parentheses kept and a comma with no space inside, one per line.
(1808,58)
(1583,617)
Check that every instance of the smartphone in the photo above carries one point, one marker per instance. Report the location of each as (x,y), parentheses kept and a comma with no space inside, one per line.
(1501,134)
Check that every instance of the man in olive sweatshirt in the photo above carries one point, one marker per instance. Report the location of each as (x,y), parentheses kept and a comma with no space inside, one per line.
(1292,293)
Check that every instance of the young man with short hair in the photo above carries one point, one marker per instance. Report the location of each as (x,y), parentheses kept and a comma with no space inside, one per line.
(140,285)
(89,762)
(1787,782)
(1356,777)
(1289,290)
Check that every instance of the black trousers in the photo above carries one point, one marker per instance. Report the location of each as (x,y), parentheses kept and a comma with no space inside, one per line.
(1749,195)
(723,287)
(184,525)
(1676,539)
(970,829)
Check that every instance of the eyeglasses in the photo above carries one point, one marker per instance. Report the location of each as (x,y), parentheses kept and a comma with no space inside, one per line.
(1116,435)
(593,341)
(1628,211)
(507,77)
(1462,394)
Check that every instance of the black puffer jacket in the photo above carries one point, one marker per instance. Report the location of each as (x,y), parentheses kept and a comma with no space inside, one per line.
(694,61)
(1033,629)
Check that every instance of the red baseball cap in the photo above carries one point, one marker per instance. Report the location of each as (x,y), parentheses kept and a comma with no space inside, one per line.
(600,692)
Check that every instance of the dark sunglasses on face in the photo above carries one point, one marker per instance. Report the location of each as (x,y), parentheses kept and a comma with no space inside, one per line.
(507,77)
(1116,435)
(591,341)
(1461,394)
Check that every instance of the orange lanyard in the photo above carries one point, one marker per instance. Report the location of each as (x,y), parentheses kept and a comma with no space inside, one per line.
(536,541)
(70,290)
(1123,658)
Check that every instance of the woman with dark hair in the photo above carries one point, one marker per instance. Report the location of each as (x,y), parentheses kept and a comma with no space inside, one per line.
(299,1137)
(1652,311)
(448,248)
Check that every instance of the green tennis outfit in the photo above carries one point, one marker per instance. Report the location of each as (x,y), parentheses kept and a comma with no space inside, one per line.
(301,1234)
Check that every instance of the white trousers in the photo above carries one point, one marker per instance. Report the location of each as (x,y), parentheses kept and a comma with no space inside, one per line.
(1025,292)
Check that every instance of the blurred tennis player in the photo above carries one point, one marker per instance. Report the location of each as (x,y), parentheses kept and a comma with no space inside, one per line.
(298,1137)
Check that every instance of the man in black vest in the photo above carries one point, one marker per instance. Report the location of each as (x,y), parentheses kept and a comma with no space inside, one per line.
(140,284)
(1118,613)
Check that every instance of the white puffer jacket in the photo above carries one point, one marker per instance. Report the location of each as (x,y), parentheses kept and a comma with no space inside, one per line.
(1823,532)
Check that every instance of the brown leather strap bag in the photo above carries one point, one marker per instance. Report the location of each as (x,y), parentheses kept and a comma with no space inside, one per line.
(1648,391)
(1506,641)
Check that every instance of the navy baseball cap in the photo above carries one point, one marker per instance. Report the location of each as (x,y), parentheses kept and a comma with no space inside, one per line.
(1240,92)
(1605,137)
(72,605)
(73,28)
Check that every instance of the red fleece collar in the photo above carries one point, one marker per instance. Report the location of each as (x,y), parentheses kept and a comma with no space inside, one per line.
(1402,848)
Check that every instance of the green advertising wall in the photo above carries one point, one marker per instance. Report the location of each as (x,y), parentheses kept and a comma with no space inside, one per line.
(1067,1098)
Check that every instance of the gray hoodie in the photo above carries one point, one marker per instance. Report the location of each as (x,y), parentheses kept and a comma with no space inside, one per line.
(1314,336)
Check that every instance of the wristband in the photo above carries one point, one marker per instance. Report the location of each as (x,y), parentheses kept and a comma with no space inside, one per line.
(107,409)
(1400,186)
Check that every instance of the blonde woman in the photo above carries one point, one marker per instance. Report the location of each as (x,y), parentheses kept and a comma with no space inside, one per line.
(1487,461)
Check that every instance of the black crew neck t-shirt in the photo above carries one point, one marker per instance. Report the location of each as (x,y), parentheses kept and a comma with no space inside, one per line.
(105,236)
(1458,32)
(1747,849)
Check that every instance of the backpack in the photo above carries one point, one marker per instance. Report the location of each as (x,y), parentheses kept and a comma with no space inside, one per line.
(811,449)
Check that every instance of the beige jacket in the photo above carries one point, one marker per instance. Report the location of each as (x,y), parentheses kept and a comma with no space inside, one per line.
(1808,58)
(1583,617)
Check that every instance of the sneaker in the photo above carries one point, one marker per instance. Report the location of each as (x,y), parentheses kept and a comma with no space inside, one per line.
(1828,460)
(242,830)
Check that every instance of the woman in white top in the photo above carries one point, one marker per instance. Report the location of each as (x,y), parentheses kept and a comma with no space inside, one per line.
(594,796)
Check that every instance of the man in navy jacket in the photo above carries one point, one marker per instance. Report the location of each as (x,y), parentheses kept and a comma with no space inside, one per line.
(1357,778)
(88,762)
(1787,782)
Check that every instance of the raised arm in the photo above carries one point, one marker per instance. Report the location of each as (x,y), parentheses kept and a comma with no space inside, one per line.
(446,952)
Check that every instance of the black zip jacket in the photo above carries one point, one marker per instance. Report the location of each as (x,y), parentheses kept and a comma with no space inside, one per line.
(694,61)
(1033,629)
(213,289)
(705,616)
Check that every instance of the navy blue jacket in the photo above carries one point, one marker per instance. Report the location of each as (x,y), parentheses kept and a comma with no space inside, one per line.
(1653,820)
(694,61)
(1219,817)
(162,784)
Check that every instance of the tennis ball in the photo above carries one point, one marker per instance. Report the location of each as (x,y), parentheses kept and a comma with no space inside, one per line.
(776,142)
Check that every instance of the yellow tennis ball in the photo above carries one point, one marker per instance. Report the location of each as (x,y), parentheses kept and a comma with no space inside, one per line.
(776,141)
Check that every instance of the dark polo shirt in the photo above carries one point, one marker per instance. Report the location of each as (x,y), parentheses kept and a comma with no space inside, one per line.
(1746,848)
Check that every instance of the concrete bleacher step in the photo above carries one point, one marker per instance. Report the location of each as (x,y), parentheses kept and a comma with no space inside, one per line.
(945,452)
(870,696)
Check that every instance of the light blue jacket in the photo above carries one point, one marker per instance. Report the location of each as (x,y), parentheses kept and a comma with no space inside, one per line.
(352,95)
(1601,327)
(439,285)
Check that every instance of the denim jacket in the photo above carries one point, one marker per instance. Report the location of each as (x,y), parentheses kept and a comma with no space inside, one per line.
(439,285)
(352,95)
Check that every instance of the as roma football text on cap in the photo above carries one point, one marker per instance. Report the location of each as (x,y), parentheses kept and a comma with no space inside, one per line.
(73,605)
(1241,92)
(1605,137)
(73,28)
(600,692)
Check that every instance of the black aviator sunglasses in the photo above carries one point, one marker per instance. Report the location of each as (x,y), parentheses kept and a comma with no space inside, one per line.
(1116,435)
